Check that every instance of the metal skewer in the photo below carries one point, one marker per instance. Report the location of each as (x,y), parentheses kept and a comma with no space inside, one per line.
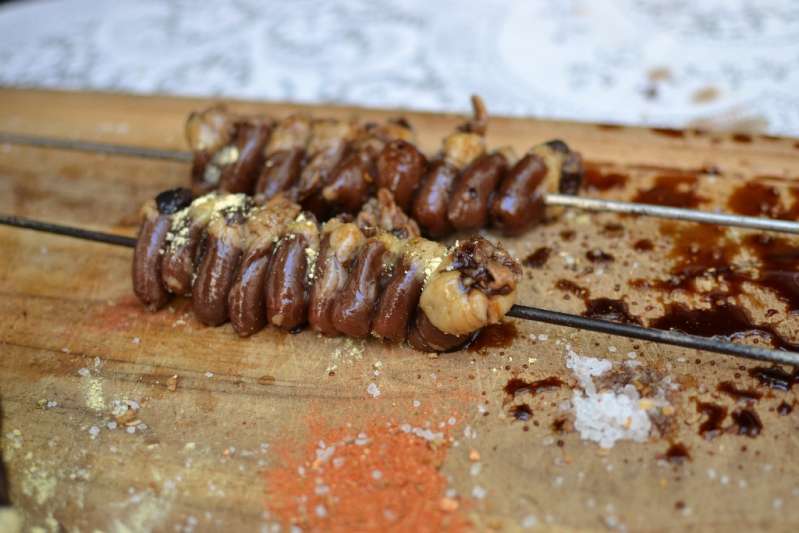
(673,338)
(561,200)
(103,148)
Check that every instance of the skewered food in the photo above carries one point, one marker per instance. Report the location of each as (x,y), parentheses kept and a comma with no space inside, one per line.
(334,166)
(271,263)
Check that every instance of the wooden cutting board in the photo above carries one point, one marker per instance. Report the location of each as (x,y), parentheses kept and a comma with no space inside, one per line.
(233,440)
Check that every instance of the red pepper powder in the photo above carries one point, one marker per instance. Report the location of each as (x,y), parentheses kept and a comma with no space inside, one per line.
(381,477)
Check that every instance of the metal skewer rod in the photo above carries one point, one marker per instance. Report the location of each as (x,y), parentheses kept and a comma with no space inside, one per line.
(561,200)
(673,213)
(673,338)
(104,148)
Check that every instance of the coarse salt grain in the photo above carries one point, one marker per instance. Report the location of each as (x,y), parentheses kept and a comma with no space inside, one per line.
(478,492)
(94,431)
(529,522)
(209,374)
(373,390)
(417,403)
(605,417)
(543,337)
(131,429)
(475,469)
(83,372)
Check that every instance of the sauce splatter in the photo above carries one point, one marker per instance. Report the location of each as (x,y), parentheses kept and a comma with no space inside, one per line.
(598,256)
(538,258)
(756,200)
(499,335)
(677,453)
(596,179)
(521,412)
(729,321)
(716,414)
(746,422)
(672,190)
(610,309)
(740,395)
(518,387)
(775,377)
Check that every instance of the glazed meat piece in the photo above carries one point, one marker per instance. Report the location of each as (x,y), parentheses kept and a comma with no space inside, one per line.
(474,286)
(249,144)
(223,249)
(355,307)
(284,156)
(350,184)
(288,282)
(183,253)
(430,207)
(519,203)
(383,213)
(207,132)
(468,206)
(341,242)
(265,226)
(157,217)
(329,144)
(419,258)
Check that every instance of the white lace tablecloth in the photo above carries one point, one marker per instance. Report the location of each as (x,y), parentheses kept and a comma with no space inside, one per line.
(721,64)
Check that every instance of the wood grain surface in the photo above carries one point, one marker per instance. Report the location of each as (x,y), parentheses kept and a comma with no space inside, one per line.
(75,345)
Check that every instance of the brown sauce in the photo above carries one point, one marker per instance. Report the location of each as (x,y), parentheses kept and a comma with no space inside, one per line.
(706,253)
(612,229)
(611,310)
(712,426)
(775,377)
(643,245)
(746,422)
(519,387)
(570,287)
(568,235)
(677,453)
(740,395)
(499,335)
(521,412)
(596,179)
(784,409)
(755,199)
(672,190)
(538,258)
(778,258)
(729,321)
(560,425)
(598,256)
(742,138)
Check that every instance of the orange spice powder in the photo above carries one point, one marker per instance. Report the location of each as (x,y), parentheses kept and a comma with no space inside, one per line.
(380,477)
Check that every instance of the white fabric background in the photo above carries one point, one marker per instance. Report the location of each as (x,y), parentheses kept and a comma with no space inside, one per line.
(724,64)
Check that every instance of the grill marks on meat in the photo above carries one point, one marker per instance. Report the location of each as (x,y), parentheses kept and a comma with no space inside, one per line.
(257,264)
(335,166)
